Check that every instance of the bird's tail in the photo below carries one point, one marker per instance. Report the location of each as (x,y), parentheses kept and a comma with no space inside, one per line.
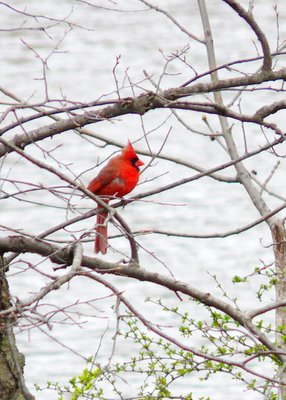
(100,243)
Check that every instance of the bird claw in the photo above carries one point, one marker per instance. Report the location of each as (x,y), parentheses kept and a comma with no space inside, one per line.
(124,202)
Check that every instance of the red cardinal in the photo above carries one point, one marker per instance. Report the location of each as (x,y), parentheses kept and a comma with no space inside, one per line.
(119,176)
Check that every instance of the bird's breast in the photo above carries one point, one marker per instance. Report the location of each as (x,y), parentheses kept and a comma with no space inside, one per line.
(119,186)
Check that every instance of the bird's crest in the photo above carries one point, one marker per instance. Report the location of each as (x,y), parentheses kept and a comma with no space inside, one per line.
(128,151)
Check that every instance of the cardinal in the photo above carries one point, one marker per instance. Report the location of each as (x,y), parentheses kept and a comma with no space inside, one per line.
(117,178)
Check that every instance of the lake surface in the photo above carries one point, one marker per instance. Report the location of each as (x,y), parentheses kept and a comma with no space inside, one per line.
(81,69)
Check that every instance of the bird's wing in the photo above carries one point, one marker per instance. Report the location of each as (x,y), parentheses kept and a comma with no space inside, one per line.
(103,179)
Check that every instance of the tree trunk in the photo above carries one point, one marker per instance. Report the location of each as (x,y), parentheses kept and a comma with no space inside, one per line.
(11,361)
(279,244)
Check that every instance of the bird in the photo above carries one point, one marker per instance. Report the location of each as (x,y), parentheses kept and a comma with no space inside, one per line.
(116,179)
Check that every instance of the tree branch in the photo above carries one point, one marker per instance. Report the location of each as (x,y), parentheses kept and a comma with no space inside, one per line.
(247,16)
(63,255)
(137,105)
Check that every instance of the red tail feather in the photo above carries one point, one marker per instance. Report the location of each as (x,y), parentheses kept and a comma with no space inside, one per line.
(100,243)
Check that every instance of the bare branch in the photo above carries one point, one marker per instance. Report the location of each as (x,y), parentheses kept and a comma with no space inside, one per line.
(138,105)
(247,16)
(223,234)
(174,21)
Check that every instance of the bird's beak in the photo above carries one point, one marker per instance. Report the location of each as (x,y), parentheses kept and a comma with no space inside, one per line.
(139,163)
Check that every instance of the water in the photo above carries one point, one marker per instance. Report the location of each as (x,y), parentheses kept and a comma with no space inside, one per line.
(81,70)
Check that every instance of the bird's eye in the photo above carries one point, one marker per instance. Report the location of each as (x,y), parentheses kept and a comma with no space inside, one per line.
(134,161)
